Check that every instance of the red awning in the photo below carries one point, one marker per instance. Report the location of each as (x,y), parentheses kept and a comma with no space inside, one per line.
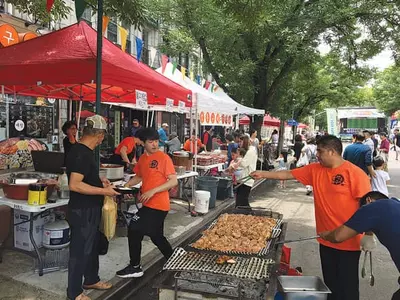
(245,120)
(62,64)
(271,121)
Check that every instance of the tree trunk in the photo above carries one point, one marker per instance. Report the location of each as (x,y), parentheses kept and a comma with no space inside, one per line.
(281,136)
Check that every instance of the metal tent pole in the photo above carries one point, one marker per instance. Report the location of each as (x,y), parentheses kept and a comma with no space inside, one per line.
(3,97)
(98,64)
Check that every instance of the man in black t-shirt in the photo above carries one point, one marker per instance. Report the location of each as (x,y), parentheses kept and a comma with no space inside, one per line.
(87,193)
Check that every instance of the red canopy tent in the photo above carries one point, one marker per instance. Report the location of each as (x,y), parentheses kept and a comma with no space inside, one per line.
(271,121)
(245,120)
(62,64)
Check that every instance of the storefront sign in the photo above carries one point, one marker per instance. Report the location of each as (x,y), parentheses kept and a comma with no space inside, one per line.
(181,107)
(54,139)
(141,99)
(215,119)
(19,125)
(8,35)
(169,105)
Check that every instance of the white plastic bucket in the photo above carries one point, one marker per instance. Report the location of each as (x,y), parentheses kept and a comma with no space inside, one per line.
(202,201)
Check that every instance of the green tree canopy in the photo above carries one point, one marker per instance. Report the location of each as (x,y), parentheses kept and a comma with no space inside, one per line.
(255,48)
(132,11)
(387,90)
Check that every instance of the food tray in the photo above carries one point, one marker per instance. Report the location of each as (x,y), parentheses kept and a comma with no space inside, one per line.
(264,252)
(252,268)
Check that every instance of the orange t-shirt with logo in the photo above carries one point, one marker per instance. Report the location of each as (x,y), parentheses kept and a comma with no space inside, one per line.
(154,170)
(129,143)
(336,197)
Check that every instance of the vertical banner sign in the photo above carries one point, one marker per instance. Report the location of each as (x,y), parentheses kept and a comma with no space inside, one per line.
(331,116)
(117,128)
(169,105)
(141,99)
(181,107)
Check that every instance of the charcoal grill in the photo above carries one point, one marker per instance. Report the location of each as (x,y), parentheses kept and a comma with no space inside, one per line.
(195,272)
(264,252)
(253,268)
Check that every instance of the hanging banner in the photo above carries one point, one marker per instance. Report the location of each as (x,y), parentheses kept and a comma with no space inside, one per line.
(191,76)
(183,71)
(169,105)
(173,67)
(106,20)
(181,107)
(331,115)
(153,55)
(139,48)
(49,5)
(123,33)
(141,99)
(215,119)
(164,62)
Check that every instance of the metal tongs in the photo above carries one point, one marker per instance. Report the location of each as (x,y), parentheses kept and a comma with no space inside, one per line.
(298,240)
(363,270)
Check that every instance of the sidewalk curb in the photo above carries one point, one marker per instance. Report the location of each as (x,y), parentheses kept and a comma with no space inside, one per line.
(153,262)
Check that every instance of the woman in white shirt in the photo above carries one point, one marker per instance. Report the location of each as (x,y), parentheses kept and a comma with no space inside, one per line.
(253,138)
(249,165)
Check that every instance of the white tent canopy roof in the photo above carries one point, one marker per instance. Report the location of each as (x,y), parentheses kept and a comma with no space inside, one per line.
(205,100)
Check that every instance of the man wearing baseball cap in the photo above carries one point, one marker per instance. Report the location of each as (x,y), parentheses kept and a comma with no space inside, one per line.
(87,193)
(163,133)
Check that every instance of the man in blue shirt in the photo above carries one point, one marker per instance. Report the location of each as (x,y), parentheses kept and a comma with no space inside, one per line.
(162,132)
(231,145)
(378,214)
(360,155)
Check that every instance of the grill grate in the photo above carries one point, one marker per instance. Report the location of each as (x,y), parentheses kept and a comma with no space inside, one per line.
(276,231)
(253,268)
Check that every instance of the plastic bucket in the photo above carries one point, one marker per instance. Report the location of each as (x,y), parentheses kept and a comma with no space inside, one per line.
(208,183)
(202,201)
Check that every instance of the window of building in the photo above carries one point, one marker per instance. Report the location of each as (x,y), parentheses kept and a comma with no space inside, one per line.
(112,32)
(87,15)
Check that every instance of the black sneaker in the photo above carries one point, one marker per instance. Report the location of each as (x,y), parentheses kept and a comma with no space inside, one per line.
(130,272)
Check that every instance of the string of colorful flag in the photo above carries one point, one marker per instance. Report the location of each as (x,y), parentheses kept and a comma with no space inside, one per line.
(80,6)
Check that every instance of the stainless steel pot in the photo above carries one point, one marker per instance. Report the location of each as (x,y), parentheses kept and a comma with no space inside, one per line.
(113,172)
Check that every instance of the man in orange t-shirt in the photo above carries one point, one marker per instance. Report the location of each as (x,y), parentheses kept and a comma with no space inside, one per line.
(124,154)
(338,185)
(156,172)
(196,145)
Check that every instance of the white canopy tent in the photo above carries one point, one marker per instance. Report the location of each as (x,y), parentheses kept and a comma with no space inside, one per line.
(241,109)
(203,99)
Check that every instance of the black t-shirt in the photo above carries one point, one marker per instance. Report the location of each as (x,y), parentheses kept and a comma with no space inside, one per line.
(67,147)
(298,146)
(397,139)
(81,160)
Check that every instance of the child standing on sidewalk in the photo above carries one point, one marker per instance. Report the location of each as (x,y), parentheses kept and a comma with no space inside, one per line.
(379,183)
(282,161)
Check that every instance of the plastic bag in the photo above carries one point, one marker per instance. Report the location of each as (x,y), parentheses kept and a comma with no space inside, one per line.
(109,217)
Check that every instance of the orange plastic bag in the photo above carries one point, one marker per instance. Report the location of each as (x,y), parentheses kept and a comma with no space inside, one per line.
(109,217)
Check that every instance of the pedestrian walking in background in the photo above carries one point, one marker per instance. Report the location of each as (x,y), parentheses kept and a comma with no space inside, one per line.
(282,165)
(310,151)
(397,142)
(380,181)
(333,178)
(369,142)
(384,149)
(163,133)
(253,138)
(298,146)
(359,154)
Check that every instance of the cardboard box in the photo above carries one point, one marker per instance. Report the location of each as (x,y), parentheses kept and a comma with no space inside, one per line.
(21,232)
